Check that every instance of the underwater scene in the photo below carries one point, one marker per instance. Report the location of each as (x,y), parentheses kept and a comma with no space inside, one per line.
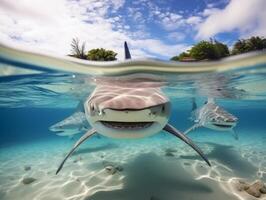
(155,135)
(133,100)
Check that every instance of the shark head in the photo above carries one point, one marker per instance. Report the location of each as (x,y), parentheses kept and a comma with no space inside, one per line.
(127,112)
(127,109)
(63,130)
(73,124)
(219,119)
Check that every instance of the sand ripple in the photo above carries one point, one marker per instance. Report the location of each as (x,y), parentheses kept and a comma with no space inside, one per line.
(147,171)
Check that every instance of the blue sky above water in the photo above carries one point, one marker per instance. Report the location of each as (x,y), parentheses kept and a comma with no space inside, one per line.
(157,28)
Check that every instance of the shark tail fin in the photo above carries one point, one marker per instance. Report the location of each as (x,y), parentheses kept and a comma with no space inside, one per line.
(127,53)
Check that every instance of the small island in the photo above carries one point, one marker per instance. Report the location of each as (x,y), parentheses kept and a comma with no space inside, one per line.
(215,50)
(202,51)
(99,54)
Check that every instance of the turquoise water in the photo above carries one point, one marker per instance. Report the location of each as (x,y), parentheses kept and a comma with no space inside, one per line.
(31,102)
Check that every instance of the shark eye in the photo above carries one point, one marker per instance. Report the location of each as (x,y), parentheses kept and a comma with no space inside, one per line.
(163,108)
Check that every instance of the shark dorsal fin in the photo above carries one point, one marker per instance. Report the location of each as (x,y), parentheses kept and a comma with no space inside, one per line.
(127,53)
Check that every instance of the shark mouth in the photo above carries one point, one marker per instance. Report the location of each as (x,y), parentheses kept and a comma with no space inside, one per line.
(126,125)
(223,125)
(59,131)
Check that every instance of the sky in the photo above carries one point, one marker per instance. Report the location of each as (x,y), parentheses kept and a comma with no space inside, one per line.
(158,29)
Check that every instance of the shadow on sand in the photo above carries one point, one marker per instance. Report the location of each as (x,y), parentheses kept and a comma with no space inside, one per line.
(151,177)
(95,149)
(228,156)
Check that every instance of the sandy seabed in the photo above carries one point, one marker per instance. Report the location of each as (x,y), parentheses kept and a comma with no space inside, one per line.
(156,168)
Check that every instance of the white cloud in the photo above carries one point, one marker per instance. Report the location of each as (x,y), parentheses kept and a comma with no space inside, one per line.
(157,47)
(49,26)
(169,20)
(177,36)
(193,20)
(248,17)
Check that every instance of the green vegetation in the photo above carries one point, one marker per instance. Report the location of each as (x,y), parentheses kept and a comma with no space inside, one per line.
(182,56)
(205,50)
(101,55)
(247,45)
(78,51)
(221,49)
(175,58)
(214,50)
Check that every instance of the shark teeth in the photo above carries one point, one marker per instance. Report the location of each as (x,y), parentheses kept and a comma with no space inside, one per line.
(126,125)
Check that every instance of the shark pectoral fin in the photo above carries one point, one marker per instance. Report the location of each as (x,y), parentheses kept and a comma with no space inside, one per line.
(81,140)
(192,128)
(187,140)
(235,135)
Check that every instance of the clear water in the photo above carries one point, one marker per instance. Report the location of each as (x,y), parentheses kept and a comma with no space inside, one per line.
(31,103)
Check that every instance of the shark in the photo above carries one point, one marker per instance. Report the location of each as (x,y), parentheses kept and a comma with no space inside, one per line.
(128,110)
(73,124)
(212,116)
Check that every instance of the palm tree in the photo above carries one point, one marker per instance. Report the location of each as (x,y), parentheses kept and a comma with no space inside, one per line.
(77,50)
